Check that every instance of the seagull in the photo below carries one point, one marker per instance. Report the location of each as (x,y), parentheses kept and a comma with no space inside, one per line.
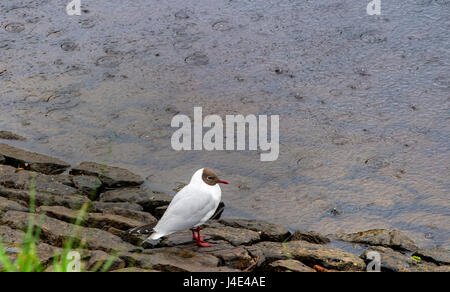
(191,207)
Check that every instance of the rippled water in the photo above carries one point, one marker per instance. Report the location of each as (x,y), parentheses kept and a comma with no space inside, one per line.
(363,100)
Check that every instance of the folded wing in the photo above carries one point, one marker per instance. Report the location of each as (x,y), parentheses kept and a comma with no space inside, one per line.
(187,209)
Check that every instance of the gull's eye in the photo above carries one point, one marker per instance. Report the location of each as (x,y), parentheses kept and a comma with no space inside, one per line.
(209,177)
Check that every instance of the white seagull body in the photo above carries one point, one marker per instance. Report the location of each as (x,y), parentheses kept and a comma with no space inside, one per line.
(192,206)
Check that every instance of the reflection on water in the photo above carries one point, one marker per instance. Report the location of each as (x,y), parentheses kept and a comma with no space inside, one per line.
(363,100)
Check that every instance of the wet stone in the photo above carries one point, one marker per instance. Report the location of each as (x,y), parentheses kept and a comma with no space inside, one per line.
(230,258)
(309,254)
(46,253)
(64,179)
(56,232)
(437,255)
(105,220)
(7,135)
(113,177)
(144,217)
(60,213)
(21,179)
(102,206)
(6,205)
(12,239)
(309,236)
(87,185)
(288,266)
(237,257)
(235,236)
(147,199)
(267,231)
(179,238)
(8,176)
(175,260)
(383,237)
(394,261)
(12,236)
(96,220)
(32,161)
(216,246)
(41,198)
(98,260)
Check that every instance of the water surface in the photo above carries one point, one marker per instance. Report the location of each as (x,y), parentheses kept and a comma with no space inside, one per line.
(363,100)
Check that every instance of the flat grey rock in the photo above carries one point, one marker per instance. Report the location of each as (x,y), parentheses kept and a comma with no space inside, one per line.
(288,266)
(56,232)
(112,177)
(395,261)
(310,254)
(31,161)
(309,236)
(87,185)
(382,237)
(267,231)
(6,205)
(101,206)
(44,198)
(23,180)
(437,255)
(147,199)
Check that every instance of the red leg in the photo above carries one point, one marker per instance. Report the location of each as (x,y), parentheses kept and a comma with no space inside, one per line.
(194,236)
(200,239)
(198,234)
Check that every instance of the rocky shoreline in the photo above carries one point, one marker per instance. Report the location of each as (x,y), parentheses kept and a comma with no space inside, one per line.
(117,203)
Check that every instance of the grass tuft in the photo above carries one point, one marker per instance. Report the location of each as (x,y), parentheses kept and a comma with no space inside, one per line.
(68,260)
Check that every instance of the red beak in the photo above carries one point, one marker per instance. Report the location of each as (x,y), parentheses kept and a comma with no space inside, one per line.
(223,182)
